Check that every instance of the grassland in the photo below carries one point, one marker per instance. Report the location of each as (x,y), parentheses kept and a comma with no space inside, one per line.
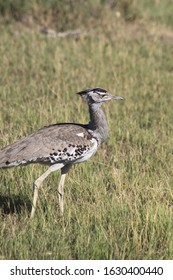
(118,205)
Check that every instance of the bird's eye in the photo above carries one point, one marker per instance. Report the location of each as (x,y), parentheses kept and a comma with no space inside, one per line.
(100,94)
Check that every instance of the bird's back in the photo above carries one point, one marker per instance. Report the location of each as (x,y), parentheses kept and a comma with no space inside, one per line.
(51,144)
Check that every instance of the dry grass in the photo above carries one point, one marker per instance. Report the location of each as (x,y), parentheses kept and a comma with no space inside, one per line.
(119,204)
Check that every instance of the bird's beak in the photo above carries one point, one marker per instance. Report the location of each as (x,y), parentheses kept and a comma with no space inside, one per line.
(115,97)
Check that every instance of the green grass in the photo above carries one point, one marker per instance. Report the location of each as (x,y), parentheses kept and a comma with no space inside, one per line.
(118,205)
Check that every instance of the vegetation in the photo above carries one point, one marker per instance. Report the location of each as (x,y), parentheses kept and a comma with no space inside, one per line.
(118,205)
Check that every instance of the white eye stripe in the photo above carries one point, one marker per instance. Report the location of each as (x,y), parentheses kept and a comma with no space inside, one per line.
(102,94)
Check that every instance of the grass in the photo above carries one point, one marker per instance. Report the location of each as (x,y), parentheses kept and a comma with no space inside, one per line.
(118,205)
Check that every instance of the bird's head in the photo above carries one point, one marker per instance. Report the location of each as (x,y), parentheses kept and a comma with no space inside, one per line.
(97,95)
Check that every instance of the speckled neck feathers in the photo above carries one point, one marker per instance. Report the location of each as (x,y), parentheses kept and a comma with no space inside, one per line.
(98,124)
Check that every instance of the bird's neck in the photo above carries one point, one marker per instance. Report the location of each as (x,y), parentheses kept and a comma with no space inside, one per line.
(98,124)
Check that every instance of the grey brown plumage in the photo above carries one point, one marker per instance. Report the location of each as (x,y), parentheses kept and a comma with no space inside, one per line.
(55,143)
(61,145)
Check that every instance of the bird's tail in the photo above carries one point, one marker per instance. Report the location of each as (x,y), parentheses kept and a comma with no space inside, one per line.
(11,155)
(6,160)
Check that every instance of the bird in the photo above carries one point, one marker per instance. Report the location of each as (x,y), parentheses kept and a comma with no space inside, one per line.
(61,145)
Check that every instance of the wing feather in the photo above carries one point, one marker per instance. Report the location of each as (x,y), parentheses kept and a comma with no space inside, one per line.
(44,142)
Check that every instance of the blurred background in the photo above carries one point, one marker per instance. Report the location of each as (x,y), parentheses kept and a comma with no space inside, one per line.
(71,14)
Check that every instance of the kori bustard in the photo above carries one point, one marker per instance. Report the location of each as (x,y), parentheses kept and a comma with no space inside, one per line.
(61,145)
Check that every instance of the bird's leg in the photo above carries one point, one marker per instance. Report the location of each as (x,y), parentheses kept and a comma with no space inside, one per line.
(61,192)
(64,171)
(38,183)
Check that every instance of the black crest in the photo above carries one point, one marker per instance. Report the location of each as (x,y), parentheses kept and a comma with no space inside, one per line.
(97,89)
